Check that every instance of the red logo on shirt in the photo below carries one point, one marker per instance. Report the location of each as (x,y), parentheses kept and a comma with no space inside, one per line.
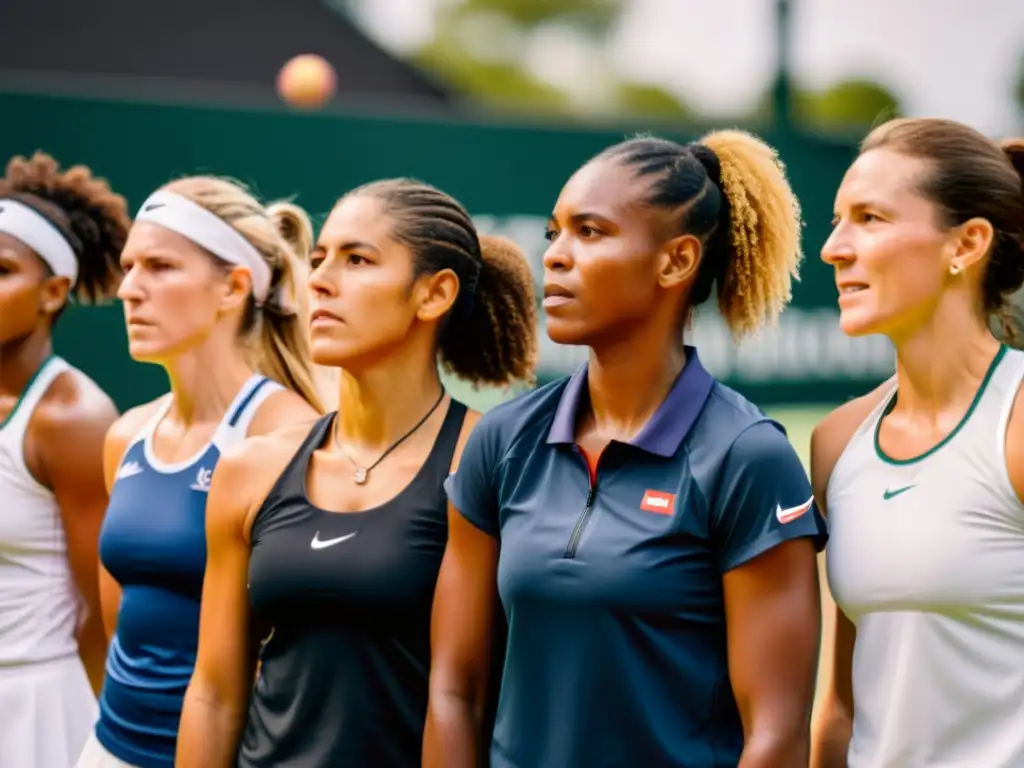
(658,502)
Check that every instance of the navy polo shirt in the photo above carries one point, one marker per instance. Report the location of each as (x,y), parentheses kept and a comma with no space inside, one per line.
(616,649)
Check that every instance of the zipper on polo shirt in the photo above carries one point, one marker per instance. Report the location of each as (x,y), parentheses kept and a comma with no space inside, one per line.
(581,524)
(584,518)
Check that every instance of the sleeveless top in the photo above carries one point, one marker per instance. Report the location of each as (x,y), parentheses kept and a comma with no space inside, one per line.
(927,560)
(153,542)
(346,601)
(39,601)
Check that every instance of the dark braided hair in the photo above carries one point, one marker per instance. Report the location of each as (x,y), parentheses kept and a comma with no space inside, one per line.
(92,217)
(730,191)
(490,334)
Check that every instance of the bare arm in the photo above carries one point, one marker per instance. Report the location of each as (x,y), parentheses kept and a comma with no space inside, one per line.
(460,640)
(773,620)
(833,725)
(69,440)
(217,698)
(218,694)
(833,722)
(1015,445)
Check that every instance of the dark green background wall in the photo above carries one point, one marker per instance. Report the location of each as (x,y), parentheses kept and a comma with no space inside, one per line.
(496,170)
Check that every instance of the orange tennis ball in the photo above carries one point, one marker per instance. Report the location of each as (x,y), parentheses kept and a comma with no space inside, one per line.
(306,81)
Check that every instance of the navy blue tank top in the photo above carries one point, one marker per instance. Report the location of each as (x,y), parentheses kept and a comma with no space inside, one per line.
(153,542)
(343,676)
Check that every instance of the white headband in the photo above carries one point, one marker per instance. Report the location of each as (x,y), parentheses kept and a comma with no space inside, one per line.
(36,231)
(181,215)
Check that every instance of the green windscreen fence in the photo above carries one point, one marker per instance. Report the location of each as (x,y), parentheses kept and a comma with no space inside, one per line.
(508,176)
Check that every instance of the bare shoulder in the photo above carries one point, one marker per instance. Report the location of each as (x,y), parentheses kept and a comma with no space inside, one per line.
(472,417)
(280,410)
(267,449)
(831,436)
(127,426)
(247,472)
(73,407)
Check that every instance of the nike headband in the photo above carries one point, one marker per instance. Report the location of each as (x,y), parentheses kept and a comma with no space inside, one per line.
(209,231)
(39,234)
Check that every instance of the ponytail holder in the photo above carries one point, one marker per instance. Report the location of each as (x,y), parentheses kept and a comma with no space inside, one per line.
(710,214)
(707,157)
(274,303)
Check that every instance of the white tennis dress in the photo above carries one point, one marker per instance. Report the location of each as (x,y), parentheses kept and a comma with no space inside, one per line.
(47,708)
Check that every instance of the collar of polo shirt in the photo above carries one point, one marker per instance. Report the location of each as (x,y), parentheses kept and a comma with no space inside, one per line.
(669,425)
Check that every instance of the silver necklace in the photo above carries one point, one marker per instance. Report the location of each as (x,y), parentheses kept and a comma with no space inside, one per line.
(362,474)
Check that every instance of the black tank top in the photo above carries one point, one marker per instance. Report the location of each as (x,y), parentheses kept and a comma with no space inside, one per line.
(343,676)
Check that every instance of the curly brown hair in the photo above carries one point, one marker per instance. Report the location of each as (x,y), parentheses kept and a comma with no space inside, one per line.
(92,217)
(729,189)
(490,334)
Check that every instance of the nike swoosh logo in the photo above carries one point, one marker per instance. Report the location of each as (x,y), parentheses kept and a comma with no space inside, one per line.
(790,514)
(318,543)
(890,494)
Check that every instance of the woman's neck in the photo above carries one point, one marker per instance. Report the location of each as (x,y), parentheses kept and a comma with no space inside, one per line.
(379,405)
(204,381)
(942,363)
(20,359)
(629,379)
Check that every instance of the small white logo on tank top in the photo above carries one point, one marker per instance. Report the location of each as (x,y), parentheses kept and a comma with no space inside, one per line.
(203,478)
(129,469)
(318,543)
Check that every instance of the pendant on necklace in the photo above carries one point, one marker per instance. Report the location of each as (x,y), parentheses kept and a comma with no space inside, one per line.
(360,476)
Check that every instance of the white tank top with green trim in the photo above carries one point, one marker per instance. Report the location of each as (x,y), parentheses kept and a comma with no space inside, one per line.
(39,602)
(926,557)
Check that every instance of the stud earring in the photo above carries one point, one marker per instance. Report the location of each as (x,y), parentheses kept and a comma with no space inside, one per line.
(954,269)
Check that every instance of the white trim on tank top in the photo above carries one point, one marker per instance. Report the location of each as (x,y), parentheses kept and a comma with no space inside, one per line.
(169,468)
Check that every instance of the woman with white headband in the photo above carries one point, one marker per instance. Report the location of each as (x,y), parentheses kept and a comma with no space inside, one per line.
(210,294)
(61,232)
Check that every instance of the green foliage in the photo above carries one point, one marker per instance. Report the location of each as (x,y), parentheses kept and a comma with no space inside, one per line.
(498,86)
(851,104)
(597,16)
(639,100)
(507,87)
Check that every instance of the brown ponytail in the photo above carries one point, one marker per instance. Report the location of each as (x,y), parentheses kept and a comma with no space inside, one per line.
(497,342)
(490,334)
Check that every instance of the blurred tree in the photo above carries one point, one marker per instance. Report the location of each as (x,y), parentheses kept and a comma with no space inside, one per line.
(596,16)
(483,47)
(499,86)
(850,104)
(646,100)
